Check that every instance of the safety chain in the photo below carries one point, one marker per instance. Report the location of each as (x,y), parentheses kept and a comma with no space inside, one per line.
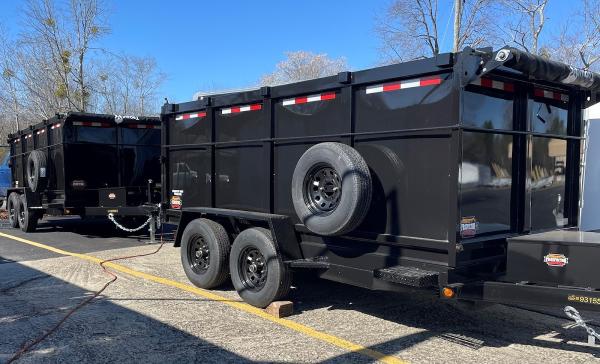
(111,217)
(574,315)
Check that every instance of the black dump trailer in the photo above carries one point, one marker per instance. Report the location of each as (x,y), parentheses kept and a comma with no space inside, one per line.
(84,164)
(437,174)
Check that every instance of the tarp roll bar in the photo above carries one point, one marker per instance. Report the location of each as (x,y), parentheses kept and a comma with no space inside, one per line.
(543,69)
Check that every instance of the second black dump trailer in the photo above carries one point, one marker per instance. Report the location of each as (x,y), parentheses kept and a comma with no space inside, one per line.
(458,174)
(84,164)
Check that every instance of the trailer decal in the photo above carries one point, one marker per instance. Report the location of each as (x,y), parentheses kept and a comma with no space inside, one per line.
(497,85)
(91,123)
(415,82)
(311,98)
(238,109)
(556,260)
(191,116)
(539,92)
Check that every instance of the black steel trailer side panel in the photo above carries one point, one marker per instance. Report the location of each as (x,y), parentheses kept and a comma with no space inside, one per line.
(459,163)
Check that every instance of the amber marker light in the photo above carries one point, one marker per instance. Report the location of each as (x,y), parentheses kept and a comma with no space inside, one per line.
(448,292)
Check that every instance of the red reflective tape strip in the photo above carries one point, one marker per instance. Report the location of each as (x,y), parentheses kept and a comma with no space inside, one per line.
(547,94)
(391,87)
(430,81)
(497,85)
(238,109)
(92,123)
(310,98)
(200,114)
(415,82)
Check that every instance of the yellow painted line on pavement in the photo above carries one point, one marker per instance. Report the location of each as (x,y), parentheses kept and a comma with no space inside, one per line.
(328,338)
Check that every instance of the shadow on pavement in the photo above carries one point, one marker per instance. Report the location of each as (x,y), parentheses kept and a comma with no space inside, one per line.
(99,332)
(466,325)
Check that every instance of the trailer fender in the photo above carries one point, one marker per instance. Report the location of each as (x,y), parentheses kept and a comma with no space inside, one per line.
(281,227)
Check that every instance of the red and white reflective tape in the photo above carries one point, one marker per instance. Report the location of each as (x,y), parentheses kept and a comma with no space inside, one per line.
(40,132)
(142,126)
(28,136)
(91,123)
(237,109)
(55,126)
(539,92)
(497,85)
(415,82)
(200,114)
(311,98)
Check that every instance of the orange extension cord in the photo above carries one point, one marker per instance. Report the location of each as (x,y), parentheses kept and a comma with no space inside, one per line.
(113,276)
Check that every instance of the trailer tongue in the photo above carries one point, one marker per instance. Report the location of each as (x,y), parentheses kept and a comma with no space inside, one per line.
(458,174)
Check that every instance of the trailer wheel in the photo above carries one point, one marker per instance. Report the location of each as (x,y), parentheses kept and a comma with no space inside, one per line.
(12,206)
(257,271)
(36,170)
(28,219)
(331,189)
(205,253)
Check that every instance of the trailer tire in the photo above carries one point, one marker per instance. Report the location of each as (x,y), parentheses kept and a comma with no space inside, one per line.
(331,189)
(37,170)
(258,273)
(12,207)
(204,252)
(28,219)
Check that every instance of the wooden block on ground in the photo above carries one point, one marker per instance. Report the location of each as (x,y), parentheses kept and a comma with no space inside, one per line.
(280,309)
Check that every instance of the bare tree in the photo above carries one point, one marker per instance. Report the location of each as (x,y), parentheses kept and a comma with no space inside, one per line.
(302,65)
(579,43)
(129,85)
(65,36)
(409,30)
(525,22)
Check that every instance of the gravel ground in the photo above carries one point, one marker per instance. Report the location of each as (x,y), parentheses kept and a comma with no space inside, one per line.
(136,320)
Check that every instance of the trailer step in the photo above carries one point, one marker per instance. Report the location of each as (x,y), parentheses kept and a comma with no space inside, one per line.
(409,276)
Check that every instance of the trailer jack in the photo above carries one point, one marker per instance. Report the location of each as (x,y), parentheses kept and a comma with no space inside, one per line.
(574,315)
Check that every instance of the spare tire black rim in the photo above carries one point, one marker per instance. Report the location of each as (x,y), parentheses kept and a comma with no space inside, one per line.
(198,254)
(253,268)
(322,189)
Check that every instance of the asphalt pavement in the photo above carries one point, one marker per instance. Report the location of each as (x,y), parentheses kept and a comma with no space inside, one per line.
(153,314)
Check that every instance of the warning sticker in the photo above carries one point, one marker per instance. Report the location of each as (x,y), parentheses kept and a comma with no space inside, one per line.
(176,202)
(468,227)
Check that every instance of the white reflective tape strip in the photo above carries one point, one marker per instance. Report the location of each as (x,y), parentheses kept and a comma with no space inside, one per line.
(410,83)
(225,111)
(548,94)
(179,117)
(289,102)
(374,89)
(245,108)
(498,85)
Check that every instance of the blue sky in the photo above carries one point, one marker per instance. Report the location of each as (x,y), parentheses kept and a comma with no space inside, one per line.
(208,45)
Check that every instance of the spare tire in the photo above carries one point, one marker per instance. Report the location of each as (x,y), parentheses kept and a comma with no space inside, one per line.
(36,170)
(331,189)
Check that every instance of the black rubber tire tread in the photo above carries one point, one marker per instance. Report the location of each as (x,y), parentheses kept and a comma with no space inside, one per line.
(277,285)
(30,221)
(219,246)
(34,179)
(356,189)
(13,201)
